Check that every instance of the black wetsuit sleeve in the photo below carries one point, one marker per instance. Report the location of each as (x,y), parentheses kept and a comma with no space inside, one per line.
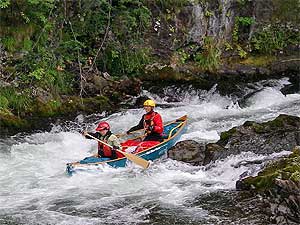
(96,135)
(137,127)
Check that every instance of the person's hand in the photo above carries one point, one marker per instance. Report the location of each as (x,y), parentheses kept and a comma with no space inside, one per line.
(84,133)
(150,128)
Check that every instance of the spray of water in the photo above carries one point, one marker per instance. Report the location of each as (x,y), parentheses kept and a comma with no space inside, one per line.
(35,189)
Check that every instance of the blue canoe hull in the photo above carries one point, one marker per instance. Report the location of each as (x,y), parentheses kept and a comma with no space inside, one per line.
(172,133)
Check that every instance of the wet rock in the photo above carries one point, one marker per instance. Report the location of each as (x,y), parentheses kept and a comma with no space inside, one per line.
(188,151)
(285,202)
(10,122)
(285,65)
(281,134)
(279,186)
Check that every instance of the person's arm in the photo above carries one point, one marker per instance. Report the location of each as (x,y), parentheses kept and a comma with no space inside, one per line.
(137,127)
(84,133)
(158,126)
(114,141)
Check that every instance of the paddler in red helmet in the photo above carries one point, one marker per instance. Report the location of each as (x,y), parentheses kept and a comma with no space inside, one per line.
(104,134)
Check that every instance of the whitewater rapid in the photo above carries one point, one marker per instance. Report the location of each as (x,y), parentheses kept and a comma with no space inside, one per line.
(34,188)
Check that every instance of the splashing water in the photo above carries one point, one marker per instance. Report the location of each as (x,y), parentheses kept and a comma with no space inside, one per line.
(35,189)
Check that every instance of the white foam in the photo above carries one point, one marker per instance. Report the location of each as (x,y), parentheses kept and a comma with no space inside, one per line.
(34,186)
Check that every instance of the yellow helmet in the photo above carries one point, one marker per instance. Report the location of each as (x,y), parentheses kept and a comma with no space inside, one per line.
(149,102)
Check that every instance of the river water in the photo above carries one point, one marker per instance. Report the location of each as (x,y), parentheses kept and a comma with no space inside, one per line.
(34,188)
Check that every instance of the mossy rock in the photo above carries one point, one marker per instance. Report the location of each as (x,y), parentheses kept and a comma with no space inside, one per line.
(224,137)
(96,104)
(9,121)
(282,121)
(48,109)
(286,169)
(71,105)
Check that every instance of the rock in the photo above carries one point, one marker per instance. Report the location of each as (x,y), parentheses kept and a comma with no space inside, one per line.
(281,134)
(285,201)
(279,186)
(188,151)
(286,65)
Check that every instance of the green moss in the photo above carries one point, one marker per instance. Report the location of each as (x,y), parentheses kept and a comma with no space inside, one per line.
(263,61)
(48,109)
(276,124)
(287,168)
(7,119)
(96,104)
(227,134)
(258,128)
(72,105)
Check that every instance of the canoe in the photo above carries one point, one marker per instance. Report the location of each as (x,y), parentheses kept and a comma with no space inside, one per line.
(146,150)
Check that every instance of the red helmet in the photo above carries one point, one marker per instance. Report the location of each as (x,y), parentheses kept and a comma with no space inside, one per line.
(103,126)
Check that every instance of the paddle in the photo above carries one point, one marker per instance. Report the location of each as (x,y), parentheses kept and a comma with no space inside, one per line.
(138,160)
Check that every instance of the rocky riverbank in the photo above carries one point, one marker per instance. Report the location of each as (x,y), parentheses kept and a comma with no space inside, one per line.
(278,183)
(79,67)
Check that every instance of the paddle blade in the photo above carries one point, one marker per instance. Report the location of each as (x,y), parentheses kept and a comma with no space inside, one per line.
(136,159)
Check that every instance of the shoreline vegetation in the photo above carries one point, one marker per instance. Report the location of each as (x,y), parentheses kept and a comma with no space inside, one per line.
(61,58)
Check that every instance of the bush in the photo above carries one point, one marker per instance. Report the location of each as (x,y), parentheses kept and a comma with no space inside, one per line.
(13,100)
(274,38)
(209,58)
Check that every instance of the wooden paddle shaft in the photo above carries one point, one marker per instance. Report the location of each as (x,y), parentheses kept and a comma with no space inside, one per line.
(134,158)
(100,141)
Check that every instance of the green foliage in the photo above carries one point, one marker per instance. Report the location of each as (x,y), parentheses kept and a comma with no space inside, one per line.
(40,69)
(183,56)
(4,4)
(171,4)
(235,33)
(13,100)
(27,45)
(245,21)
(240,22)
(208,13)
(273,38)
(9,43)
(242,2)
(124,60)
(56,38)
(20,21)
(241,52)
(228,46)
(50,108)
(3,102)
(209,58)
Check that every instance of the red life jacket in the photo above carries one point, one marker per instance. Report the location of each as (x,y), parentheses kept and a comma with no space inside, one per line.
(104,150)
(153,119)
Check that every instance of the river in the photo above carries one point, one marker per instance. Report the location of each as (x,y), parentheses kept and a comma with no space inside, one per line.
(34,188)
